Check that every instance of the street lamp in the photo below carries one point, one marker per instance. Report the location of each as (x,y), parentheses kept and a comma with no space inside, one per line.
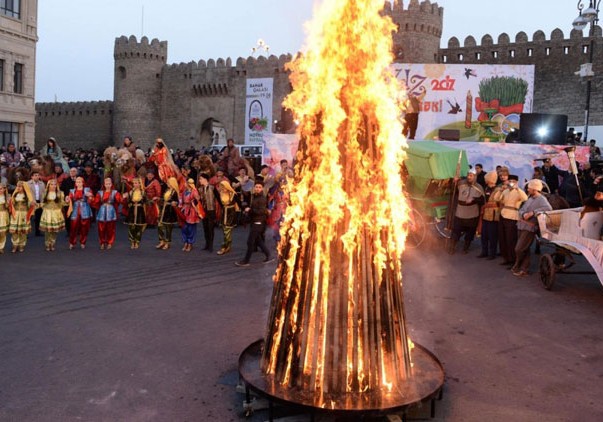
(586,16)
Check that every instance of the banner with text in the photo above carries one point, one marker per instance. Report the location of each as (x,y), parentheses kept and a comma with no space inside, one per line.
(468,102)
(258,115)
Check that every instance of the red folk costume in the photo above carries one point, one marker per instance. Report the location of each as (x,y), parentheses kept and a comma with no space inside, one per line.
(162,157)
(106,203)
(153,194)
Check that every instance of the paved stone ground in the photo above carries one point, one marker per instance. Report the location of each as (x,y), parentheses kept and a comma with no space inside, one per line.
(152,335)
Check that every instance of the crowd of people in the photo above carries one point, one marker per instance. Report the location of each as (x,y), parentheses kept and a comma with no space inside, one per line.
(496,206)
(168,189)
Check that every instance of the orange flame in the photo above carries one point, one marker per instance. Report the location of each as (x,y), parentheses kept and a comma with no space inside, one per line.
(337,302)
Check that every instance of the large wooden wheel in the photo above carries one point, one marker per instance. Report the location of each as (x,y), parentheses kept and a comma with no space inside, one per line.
(547,271)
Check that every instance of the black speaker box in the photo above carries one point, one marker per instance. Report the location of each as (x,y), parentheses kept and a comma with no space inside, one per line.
(540,128)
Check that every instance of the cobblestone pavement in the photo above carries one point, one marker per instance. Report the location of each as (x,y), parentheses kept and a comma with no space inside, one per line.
(147,335)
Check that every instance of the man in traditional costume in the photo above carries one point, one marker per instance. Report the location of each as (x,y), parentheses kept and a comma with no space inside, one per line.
(230,208)
(134,202)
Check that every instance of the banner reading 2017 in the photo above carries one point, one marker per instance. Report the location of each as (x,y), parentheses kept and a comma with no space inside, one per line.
(468,102)
(258,115)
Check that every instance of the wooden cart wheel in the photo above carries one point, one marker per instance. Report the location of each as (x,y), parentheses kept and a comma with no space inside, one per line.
(441,226)
(547,271)
(416,229)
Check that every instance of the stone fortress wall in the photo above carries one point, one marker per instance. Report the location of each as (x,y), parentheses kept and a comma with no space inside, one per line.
(75,124)
(182,102)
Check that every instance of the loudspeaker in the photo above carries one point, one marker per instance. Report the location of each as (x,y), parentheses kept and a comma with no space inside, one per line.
(540,128)
(449,134)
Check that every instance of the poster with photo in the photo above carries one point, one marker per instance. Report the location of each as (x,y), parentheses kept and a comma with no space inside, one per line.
(258,110)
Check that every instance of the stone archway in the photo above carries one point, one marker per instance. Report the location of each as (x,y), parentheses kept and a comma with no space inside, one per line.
(213,132)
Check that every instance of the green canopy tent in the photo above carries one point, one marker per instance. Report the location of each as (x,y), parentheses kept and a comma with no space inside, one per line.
(431,166)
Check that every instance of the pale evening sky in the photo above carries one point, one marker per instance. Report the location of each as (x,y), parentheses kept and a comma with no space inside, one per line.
(76,38)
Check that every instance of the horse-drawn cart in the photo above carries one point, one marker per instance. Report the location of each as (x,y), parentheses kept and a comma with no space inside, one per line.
(570,232)
(431,168)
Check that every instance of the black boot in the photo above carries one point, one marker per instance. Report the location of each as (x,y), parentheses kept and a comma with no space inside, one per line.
(466,246)
(451,246)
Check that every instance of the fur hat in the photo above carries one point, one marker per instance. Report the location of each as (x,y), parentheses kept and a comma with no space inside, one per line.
(491,177)
(472,171)
(535,184)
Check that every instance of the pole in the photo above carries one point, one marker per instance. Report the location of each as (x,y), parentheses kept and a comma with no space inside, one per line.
(591,50)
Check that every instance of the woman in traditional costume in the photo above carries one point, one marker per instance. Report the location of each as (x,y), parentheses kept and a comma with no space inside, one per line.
(79,212)
(21,207)
(136,220)
(107,201)
(167,214)
(52,220)
(53,150)
(4,216)
(190,209)
(230,208)
(162,157)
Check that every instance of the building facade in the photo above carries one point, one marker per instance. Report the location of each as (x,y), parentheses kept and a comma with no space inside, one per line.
(186,103)
(18,38)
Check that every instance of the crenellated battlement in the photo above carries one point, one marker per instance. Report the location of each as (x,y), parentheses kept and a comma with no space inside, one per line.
(557,36)
(241,63)
(74,108)
(414,6)
(130,48)
(556,47)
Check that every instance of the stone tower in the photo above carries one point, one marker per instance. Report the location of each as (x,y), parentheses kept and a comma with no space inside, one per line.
(137,89)
(419,30)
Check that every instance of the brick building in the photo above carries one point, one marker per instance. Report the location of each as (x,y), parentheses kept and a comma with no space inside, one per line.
(18,38)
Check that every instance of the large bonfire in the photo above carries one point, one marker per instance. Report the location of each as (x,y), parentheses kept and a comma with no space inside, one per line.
(336,322)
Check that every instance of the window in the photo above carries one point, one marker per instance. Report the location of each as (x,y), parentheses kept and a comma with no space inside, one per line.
(18,83)
(478,56)
(444,59)
(495,54)
(530,52)
(585,49)
(547,51)
(460,57)
(512,53)
(566,50)
(9,132)
(1,75)
(11,8)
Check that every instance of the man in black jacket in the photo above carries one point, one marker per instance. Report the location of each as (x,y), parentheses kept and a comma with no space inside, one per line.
(258,212)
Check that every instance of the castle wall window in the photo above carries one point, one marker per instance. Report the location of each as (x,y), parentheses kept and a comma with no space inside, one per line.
(585,49)
(495,54)
(566,50)
(122,72)
(18,79)
(1,75)
(460,57)
(511,53)
(547,51)
(9,133)
(444,59)
(478,56)
(530,52)
(11,8)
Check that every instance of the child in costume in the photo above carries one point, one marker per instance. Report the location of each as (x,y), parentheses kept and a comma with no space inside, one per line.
(21,207)
(4,216)
(79,212)
(52,220)
(136,219)
(167,214)
(106,202)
